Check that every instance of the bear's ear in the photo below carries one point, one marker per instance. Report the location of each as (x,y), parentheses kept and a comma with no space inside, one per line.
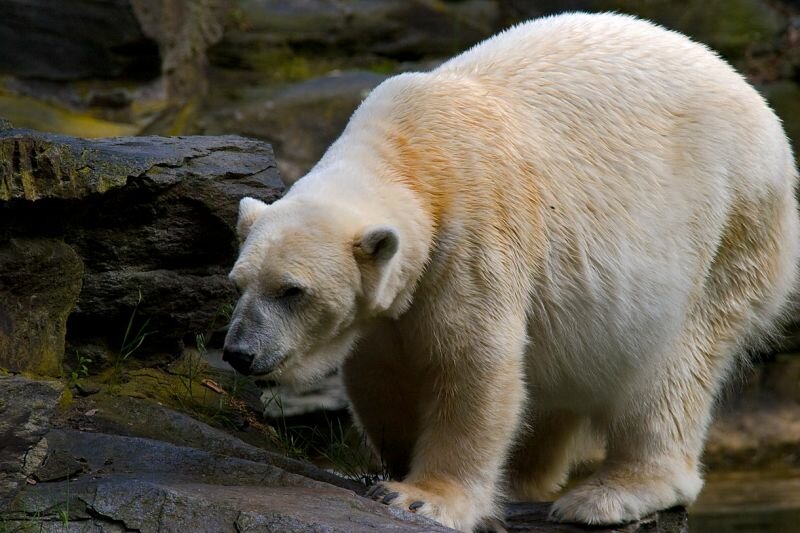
(378,243)
(249,211)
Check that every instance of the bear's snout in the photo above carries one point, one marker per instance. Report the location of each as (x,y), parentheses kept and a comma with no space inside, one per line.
(238,360)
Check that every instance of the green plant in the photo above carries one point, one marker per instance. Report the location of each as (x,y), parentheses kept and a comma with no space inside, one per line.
(343,446)
(133,338)
(347,449)
(226,312)
(132,342)
(81,368)
(63,516)
(33,523)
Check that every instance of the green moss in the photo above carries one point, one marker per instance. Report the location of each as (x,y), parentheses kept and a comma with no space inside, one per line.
(25,112)
(66,399)
(729,26)
(383,66)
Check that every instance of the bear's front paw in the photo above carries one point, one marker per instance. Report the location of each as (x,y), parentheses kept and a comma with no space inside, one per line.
(444,502)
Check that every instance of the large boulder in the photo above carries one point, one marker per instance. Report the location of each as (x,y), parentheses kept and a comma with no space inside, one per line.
(39,282)
(105,68)
(69,475)
(735,28)
(151,219)
(399,29)
(97,481)
(300,121)
(26,407)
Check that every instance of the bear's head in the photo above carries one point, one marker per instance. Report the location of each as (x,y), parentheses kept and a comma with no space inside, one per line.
(310,274)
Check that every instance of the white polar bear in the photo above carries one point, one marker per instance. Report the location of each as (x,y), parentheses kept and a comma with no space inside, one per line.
(568,232)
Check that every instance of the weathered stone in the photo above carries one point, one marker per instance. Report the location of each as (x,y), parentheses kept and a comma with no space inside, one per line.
(532,518)
(98,69)
(74,40)
(183,29)
(149,485)
(204,480)
(299,121)
(26,407)
(732,27)
(406,29)
(152,218)
(5,124)
(37,165)
(119,414)
(39,285)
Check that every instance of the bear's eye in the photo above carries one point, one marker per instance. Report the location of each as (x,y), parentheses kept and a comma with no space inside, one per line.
(290,291)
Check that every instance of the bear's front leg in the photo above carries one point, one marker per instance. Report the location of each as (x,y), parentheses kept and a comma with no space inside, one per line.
(467,426)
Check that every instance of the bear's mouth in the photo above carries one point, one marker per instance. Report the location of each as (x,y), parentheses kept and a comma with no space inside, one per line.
(274,372)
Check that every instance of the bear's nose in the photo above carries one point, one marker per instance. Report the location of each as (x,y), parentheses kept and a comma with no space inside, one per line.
(239,360)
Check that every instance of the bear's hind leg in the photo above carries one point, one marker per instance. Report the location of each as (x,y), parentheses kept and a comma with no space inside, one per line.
(656,438)
(653,450)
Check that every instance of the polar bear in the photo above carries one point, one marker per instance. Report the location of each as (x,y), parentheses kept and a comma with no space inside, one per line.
(564,235)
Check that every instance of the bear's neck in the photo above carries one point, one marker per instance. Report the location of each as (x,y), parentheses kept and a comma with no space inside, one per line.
(360,179)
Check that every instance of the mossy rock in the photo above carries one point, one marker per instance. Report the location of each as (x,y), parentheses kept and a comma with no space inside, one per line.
(39,284)
(731,27)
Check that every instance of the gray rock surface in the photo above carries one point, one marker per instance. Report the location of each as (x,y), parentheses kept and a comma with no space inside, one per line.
(96,481)
(105,68)
(39,282)
(532,518)
(134,417)
(152,219)
(85,474)
(26,407)
(299,121)
(74,40)
(393,28)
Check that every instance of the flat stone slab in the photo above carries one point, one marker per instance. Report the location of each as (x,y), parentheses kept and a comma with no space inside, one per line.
(35,165)
(532,518)
(100,482)
(26,407)
(76,470)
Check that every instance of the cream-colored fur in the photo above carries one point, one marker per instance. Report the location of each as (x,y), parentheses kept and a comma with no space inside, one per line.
(569,230)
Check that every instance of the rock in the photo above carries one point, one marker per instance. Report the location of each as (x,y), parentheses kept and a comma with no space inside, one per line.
(105,68)
(758,424)
(404,29)
(99,481)
(151,218)
(101,39)
(300,121)
(134,417)
(39,284)
(183,29)
(732,27)
(26,407)
(532,517)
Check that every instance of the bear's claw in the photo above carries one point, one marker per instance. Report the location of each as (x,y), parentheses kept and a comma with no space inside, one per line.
(390,497)
(415,505)
(377,492)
